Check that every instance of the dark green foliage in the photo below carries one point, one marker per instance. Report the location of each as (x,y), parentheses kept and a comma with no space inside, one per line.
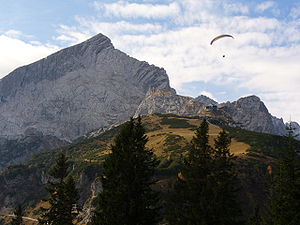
(176,123)
(284,204)
(63,195)
(225,181)
(189,200)
(255,219)
(172,143)
(127,198)
(206,194)
(18,220)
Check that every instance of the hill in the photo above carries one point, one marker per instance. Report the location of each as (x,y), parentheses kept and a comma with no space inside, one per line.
(169,137)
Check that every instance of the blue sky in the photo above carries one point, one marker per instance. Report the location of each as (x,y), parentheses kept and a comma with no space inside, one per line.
(263,59)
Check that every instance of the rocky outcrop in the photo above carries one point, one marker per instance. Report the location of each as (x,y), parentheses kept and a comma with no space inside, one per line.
(162,101)
(279,126)
(76,90)
(296,129)
(251,113)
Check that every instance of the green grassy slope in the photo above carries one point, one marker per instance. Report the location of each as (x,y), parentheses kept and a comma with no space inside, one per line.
(169,137)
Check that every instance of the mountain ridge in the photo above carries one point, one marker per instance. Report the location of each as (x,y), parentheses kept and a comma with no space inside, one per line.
(76,90)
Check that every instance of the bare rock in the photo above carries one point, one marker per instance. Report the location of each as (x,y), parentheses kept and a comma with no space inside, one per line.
(76,90)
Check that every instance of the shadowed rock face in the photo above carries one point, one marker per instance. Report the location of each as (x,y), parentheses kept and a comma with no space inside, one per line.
(76,90)
(251,113)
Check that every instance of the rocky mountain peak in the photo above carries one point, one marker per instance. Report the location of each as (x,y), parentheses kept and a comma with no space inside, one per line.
(251,113)
(252,99)
(76,90)
(206,100)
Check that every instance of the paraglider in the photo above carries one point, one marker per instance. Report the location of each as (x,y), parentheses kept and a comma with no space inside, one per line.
(220,37)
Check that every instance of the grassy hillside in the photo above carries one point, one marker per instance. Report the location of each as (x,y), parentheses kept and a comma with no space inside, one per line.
(169,136)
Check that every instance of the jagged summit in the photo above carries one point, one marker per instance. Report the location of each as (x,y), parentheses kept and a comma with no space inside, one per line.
(206,100)
(54,66)
(76,90)
(252,98)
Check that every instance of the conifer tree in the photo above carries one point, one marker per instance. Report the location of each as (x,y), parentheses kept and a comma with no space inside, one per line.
(189,202)
(207,194)
(63,195)
(226,209)
(18,219)
(284,204)
(127,197)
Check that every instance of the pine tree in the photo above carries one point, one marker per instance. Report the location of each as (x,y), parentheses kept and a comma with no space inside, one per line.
(189,201)
(226,209)
(284,204)
(63,195)
(127,197)
(207,194)
(18,219)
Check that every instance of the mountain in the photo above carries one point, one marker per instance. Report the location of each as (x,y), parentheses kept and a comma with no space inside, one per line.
(92,86)
(249,113)
(76,90)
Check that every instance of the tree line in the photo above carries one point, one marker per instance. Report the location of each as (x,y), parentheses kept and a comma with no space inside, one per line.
(205,191)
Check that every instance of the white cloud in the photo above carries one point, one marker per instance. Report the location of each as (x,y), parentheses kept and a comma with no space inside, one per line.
(86,28)
(235,8)
(265,6)
(124,9)
(15,53)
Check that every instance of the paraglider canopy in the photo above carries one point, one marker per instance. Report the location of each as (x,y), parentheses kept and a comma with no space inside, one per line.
(219,37)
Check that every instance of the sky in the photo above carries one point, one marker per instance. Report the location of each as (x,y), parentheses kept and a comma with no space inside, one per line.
(263,59)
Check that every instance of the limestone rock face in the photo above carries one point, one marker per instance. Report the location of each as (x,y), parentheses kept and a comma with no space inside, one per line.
(76,90)
(251,113)
(162,101)
(279,126)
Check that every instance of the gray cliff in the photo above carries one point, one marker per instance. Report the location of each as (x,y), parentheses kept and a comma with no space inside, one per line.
(76,90)
(162,101)
(249,113)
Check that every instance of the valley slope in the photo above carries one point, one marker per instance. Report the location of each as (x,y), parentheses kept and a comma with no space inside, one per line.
(169,137)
